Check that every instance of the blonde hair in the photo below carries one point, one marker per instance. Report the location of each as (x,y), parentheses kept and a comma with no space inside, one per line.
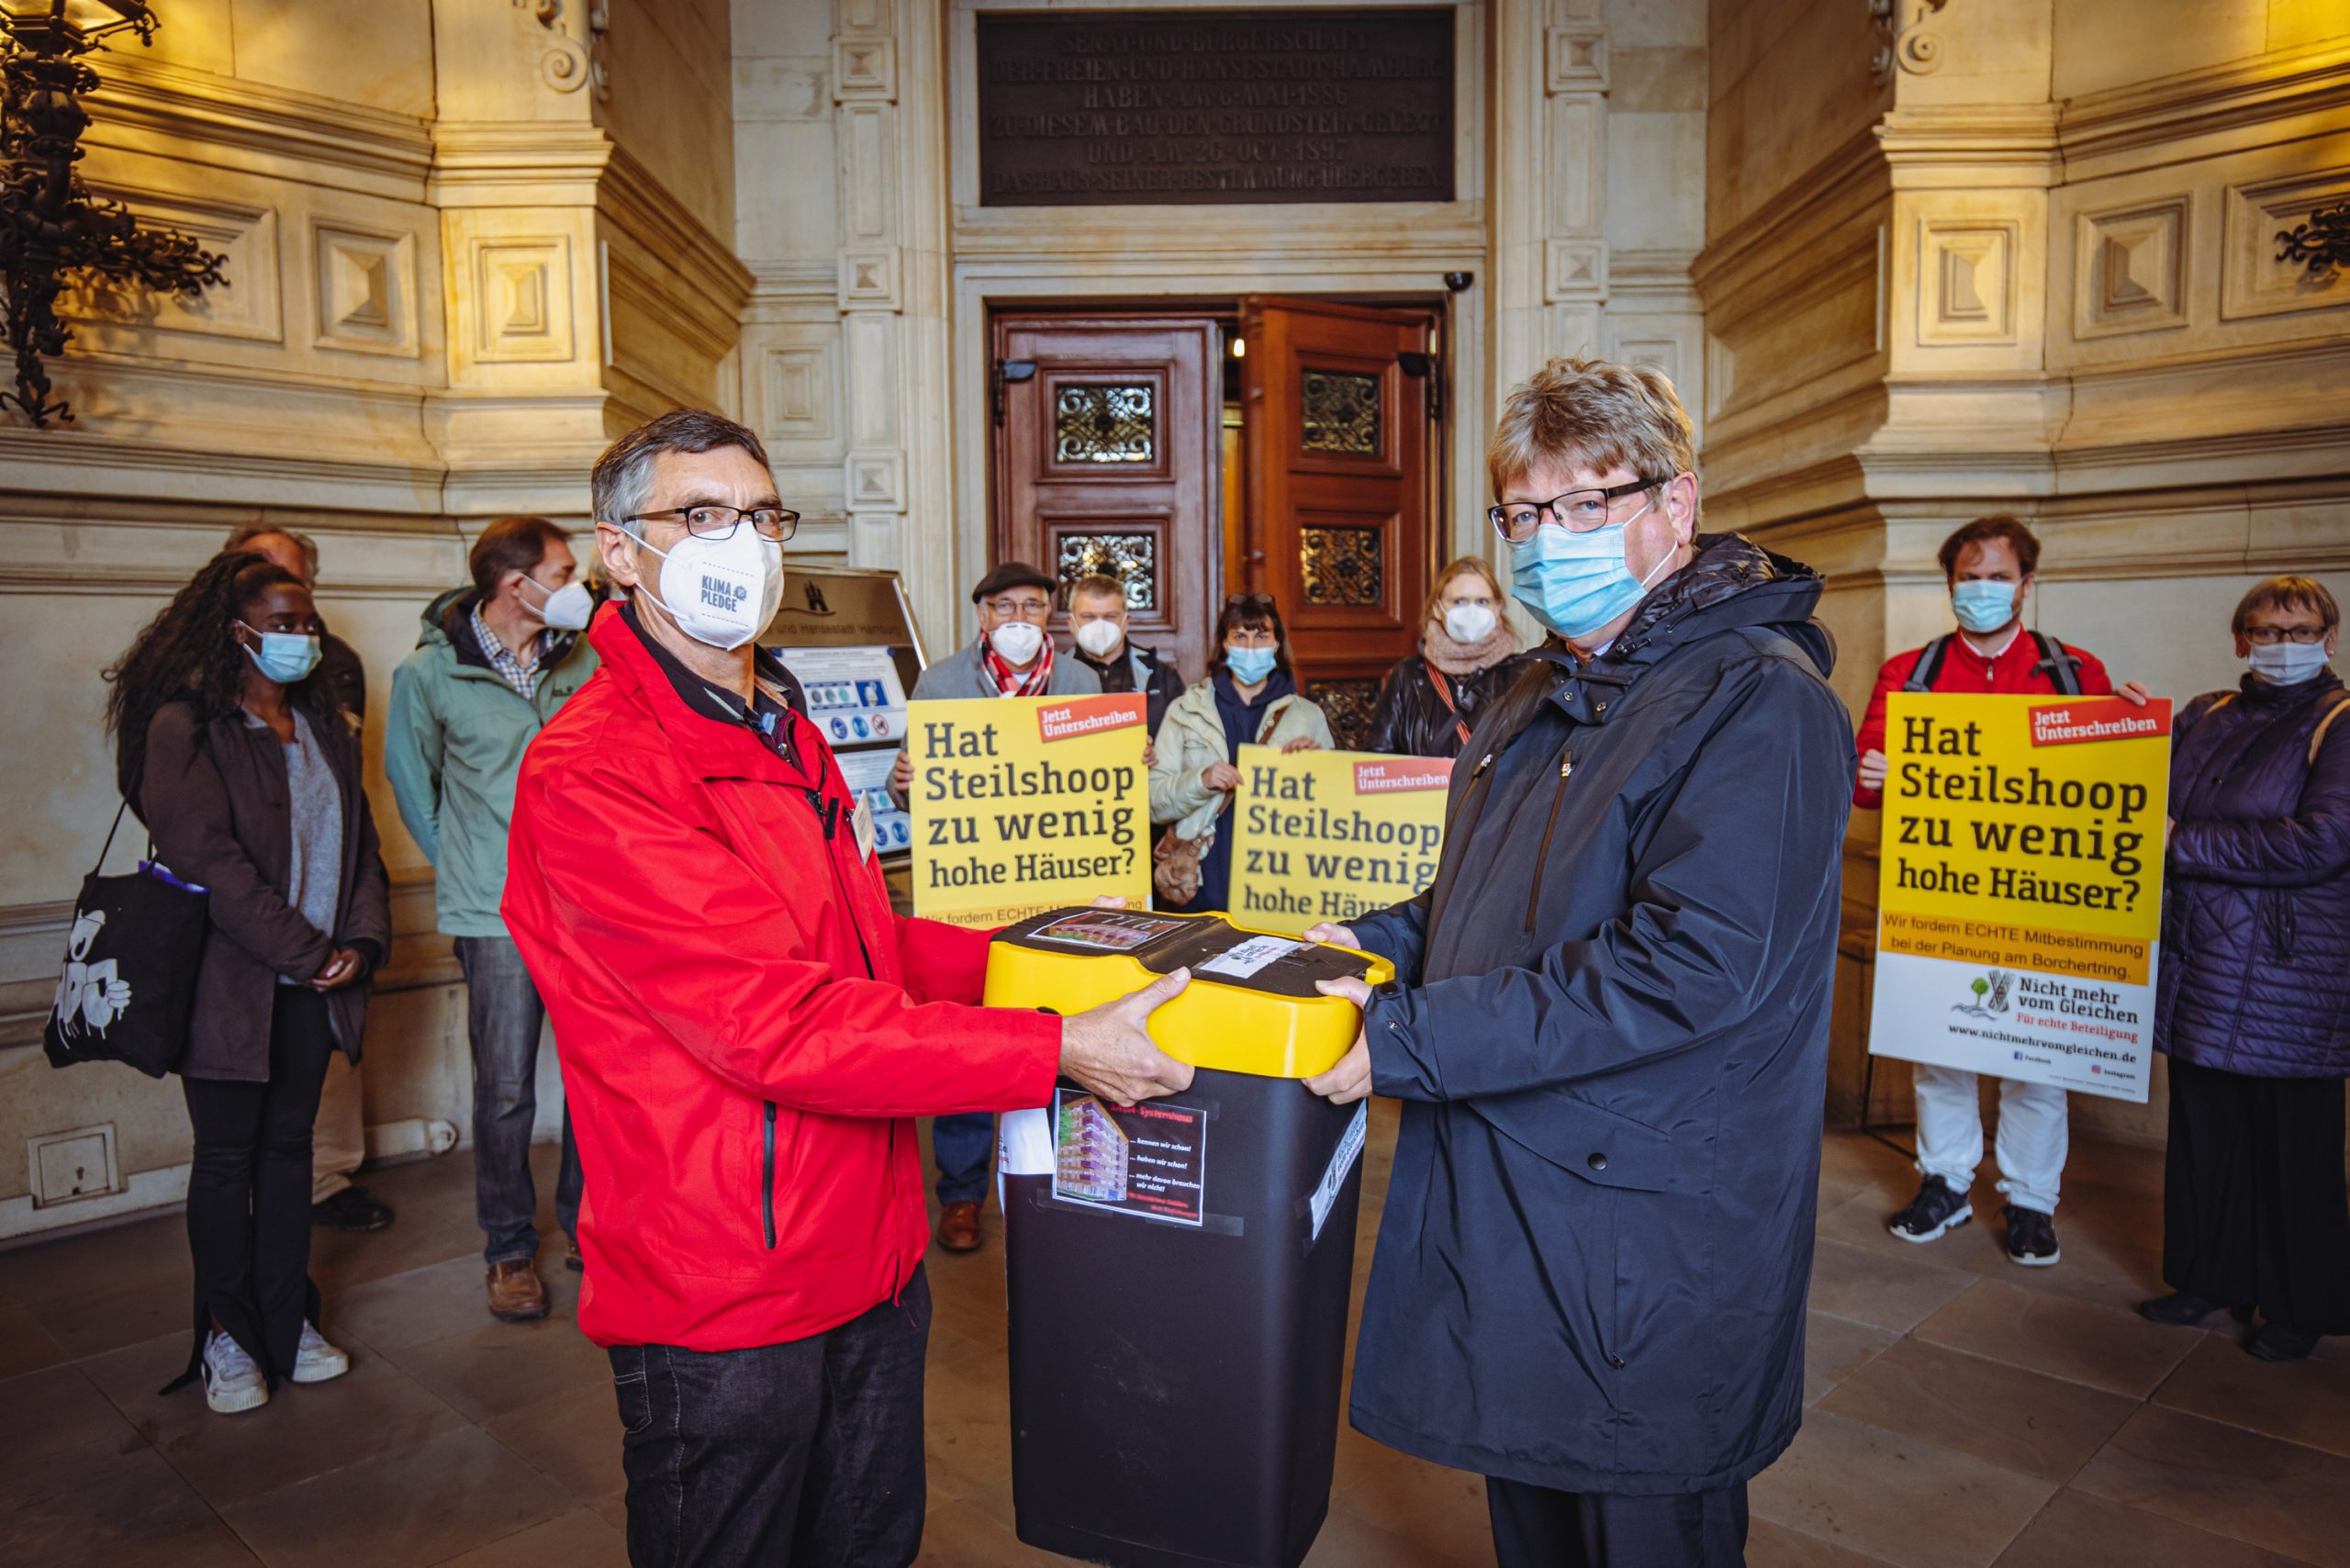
(1460,566)
(1593,414)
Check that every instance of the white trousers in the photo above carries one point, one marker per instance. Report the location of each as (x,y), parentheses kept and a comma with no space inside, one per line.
(2033,1133)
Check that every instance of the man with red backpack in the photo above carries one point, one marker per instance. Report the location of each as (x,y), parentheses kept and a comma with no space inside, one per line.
(1989,565)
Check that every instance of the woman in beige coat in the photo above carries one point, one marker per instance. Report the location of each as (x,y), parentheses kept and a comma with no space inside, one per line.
(1250,698)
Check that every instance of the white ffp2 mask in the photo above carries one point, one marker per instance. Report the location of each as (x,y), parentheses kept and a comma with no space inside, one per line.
(1098,638)
(721,591)
(1017,642)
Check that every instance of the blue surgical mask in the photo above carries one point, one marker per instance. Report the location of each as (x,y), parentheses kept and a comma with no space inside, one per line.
(283,657)
(1248,665)
(2287,664)
(1577,583)
(1983,605)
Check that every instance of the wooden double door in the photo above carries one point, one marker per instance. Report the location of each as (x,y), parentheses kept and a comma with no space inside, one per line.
(1108,457)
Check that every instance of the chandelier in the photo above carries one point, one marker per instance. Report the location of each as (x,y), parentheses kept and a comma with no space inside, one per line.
(50,223)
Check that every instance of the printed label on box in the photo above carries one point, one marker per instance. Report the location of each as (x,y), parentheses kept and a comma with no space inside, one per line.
(1149,1160)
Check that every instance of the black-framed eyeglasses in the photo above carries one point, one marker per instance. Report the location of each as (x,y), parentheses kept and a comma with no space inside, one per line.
(2270,636)
(711,521)
(1577,511)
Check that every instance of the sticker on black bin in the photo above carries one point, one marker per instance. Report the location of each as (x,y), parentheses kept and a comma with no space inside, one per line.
(1150,1160)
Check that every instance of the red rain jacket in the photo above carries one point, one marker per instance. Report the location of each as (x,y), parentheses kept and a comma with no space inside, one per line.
(741,1091)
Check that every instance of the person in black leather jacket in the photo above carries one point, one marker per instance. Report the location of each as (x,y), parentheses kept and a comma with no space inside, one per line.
(1468,655)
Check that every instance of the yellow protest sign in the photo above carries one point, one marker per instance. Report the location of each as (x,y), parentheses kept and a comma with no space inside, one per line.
(1331,834)
(2020,898)
(1023,804)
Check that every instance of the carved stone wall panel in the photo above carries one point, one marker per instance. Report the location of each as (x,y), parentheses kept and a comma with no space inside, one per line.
(868,175)
(1967,282)
(249,308)
(2256,279)
(868,279)
(521,295)
(793,390)
(1578,59)
(864,69)
(1574,329)
(2130,269)
(1576,147)
(876,480)
(1575,270)
(366,290)
(868,18)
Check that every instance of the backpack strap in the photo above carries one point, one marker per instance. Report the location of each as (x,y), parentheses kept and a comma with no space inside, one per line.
(1928,668)
(2318,739)
(2062,664)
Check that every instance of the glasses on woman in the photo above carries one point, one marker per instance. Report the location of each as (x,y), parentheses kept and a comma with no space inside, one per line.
(1249,602)
(2270,636)
(714,521)
(1577,511)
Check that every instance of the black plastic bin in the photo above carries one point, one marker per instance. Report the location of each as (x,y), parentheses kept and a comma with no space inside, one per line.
(1178,1278)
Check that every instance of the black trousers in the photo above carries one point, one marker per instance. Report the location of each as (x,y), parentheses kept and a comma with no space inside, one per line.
(249,1189)
(805,1455)
(2254,1213)
(1535,1527)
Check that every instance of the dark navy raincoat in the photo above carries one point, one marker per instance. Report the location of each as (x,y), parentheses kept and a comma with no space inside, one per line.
(1609,1031)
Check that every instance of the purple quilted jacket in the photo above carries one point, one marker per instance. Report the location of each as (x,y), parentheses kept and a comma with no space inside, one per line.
(2256,955)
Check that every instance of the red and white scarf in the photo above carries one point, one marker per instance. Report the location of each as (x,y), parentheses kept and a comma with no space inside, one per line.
(1009,682)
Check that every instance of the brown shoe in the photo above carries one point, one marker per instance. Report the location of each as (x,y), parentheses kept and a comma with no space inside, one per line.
(515,1293)
(958,1228)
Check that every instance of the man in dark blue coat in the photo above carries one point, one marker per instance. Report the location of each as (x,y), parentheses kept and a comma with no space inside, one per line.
(1609,1022)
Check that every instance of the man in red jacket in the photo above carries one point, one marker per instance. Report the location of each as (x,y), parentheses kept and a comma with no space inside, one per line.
(1989,565)
(748,1032)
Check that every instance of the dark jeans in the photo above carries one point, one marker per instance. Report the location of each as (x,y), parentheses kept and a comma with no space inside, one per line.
(2255,1212)
(964,1145)
(249,1187)
(1535,1527)
(504,1016)
(807,1453)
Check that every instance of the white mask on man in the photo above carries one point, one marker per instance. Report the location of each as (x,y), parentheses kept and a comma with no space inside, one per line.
(1098,638)
(1017,643)
(568,607)
(721,591)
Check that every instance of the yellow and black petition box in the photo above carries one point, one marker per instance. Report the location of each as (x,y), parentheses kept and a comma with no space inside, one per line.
(1178,1270)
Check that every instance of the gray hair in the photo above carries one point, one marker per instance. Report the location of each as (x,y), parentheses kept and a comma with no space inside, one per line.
(623,476)
(243,537)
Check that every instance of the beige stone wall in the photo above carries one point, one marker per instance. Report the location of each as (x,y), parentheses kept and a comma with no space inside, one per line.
(448,283)
(2044,280)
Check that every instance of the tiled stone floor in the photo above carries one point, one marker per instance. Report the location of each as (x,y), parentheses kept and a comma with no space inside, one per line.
(1963,1411)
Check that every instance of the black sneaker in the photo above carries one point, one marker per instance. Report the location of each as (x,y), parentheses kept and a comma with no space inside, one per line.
(1938,1209)
(352,1209)
(2031,1238)
(2274,1343)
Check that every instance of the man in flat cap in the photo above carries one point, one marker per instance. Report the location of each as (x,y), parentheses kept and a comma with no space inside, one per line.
(1011,656)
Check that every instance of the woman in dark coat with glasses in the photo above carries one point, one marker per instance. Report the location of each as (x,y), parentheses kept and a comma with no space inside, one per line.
(2253,1001)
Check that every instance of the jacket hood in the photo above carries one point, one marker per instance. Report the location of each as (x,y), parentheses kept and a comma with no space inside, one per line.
(448,622)
(1731,583)
(432,625)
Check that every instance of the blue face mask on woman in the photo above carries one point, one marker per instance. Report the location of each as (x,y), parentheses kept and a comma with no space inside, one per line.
(283,657)
(1577,583)
(1983,606)
(1248,665)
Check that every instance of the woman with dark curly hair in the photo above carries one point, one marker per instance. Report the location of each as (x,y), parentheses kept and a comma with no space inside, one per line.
(248,777)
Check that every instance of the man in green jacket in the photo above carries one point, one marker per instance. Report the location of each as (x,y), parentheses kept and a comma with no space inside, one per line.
(492,664)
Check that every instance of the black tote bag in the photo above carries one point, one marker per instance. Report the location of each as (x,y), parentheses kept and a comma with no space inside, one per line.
(129,979)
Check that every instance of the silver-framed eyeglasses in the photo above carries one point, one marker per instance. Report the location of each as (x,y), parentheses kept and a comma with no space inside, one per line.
(1577,511)
(711,520)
